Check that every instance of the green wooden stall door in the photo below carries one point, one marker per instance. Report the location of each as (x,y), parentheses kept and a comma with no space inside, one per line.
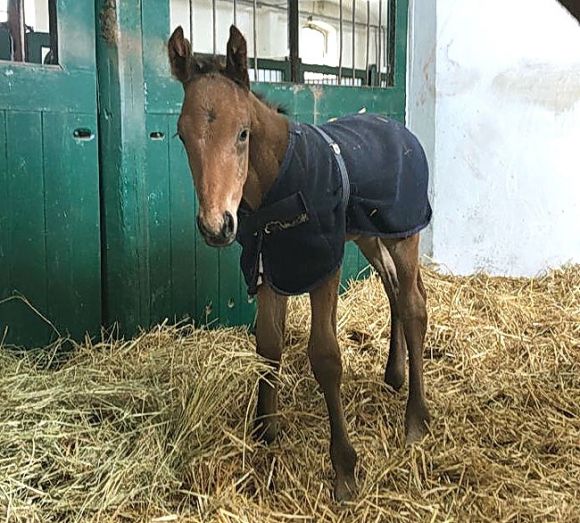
(50,270)
(155,265)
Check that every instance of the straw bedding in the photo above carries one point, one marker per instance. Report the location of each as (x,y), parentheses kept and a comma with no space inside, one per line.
(157,428)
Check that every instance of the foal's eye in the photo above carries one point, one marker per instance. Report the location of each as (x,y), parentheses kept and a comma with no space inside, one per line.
(243,136)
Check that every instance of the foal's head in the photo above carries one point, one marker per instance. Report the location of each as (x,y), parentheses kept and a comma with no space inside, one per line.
(214,127)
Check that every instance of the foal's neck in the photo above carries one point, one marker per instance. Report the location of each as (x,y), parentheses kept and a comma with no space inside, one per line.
(268,143)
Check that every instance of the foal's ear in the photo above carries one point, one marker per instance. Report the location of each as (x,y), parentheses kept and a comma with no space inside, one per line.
(237,58)
(180,56)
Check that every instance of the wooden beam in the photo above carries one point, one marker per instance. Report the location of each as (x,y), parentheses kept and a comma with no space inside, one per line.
(123,184)
(16,28)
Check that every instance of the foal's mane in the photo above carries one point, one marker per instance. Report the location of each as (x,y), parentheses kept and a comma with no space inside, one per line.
(207,65)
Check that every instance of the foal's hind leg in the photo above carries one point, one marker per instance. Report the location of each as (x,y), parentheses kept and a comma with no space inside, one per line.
(324,354)
(270,326)
(378,256)
(413,313)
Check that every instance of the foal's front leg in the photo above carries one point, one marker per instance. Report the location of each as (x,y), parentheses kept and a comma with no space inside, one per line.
(270,327)
(324,354)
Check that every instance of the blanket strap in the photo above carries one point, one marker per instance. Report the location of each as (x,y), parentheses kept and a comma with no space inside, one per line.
(340,162)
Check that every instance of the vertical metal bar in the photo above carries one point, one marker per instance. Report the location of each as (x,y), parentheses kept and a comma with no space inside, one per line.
(293,39)
(214,25)
(16,28)
(368,40)
(340,43)
(191,23)
(236,13)
(53,31)
(391,35)
(254,11)
(353,41)
(379,53)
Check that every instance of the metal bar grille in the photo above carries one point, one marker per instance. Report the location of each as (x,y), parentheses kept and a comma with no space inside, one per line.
(391,35)
(353,29)
(368,34)
(370,65)
(214,25)
(340,42)
(255,25)
(191,22)
(379,42)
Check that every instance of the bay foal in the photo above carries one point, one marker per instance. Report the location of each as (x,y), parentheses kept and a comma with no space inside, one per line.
(235,144)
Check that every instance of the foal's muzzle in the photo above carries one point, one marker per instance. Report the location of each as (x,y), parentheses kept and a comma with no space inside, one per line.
(224,237)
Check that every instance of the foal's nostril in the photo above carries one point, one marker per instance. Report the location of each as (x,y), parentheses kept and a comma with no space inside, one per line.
(228,227)
(201,227)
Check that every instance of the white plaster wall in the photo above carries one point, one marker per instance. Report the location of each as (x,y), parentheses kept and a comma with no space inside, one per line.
(421,75)
(506,145)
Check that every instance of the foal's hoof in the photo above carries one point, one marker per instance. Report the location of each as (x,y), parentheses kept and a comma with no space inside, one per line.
(345,489)
(417,426)
(395,378)
(266,430)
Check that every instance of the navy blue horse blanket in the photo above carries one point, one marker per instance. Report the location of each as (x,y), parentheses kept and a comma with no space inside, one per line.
(362,175)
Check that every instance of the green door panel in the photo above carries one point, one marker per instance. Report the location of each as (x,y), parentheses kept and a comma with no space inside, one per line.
(4,213)
(50,268)
(72,224)
(33,87)
(158,201)
(25,249)
(182,210)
